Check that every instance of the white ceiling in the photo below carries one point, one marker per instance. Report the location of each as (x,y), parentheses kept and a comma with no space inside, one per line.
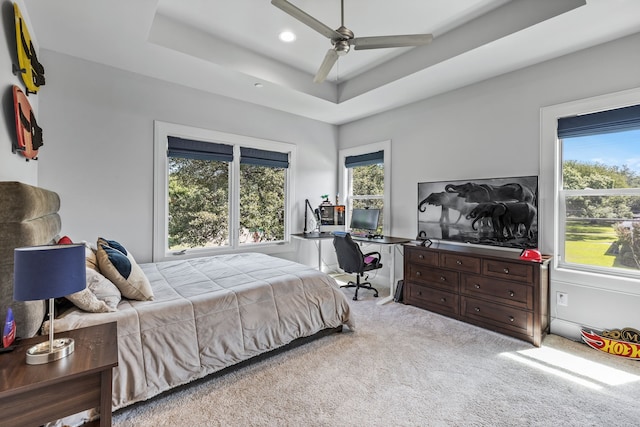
(227,46)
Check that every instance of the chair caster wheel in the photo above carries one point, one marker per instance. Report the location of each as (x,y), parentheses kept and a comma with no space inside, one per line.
(355,298)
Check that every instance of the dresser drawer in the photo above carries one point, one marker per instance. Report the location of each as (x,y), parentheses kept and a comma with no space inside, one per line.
(508,270)
(460,262)
(443,279)
(513,293)
(432,299)
(421,256)
(510,318)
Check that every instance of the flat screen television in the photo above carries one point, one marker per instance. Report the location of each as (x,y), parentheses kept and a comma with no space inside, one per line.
(365,220)
(488,211)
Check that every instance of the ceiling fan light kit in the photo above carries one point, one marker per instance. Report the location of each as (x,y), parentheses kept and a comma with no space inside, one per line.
(343,38)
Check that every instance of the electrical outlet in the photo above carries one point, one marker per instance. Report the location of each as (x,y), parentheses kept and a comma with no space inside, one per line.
(562,298)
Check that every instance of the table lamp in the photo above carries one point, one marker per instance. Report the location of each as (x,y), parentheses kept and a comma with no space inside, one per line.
(48,272)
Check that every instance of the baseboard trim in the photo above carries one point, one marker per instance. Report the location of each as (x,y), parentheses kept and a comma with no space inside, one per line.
(564,328)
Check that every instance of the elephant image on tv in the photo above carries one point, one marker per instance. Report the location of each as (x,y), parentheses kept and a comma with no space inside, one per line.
(506,218)
(500,211)
(492,210)
(447,201)
(479,193)
(517,214)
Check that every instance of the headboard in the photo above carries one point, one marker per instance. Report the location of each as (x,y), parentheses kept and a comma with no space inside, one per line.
(28,217)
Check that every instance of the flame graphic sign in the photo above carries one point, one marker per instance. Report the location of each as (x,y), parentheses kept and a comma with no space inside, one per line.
(623,343)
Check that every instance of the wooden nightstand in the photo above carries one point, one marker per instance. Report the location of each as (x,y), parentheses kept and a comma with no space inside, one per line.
(32,395)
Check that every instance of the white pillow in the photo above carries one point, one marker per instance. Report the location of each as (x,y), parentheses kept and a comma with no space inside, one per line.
(100,295)
(104,289)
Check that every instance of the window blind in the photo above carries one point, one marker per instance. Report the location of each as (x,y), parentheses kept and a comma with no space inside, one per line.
(199,150)
(610,121)
(364,159)
(254,156)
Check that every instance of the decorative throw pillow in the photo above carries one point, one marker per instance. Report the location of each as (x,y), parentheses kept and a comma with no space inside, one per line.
(100,295)
(90,257)
(119,266)
(103,289)
(87,301)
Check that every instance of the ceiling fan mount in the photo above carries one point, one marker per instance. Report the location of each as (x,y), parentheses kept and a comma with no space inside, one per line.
(343,38)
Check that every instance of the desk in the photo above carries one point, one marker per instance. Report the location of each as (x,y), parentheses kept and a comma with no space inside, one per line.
(389,241)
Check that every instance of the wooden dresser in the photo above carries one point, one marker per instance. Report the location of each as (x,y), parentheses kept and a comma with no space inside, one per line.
(487,287)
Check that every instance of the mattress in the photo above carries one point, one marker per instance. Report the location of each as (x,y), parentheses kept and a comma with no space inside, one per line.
(210,313)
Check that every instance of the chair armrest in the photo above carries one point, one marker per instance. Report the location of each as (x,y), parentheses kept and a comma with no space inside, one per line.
(373,253)
(372,258)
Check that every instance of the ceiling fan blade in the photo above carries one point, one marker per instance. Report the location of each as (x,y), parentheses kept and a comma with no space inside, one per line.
(391,41)
(306,19)
(327,64)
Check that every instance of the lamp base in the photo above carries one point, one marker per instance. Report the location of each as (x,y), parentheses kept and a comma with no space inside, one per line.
(41,353)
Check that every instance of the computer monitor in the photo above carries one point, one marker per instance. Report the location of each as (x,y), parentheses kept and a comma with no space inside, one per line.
(365,219)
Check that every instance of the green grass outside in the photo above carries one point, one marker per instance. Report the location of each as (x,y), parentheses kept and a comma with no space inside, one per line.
(588,244)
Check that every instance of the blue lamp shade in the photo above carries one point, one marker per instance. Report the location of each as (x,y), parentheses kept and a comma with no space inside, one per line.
(43,272)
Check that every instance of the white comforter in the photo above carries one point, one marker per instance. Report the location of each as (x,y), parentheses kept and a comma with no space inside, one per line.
(210,313)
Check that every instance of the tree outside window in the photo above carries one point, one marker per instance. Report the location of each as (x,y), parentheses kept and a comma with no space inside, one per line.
(600,200)
(210,206)
(198,203)
(262,203)
(367,189)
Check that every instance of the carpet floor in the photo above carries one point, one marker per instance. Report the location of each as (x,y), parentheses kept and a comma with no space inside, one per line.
(403,366)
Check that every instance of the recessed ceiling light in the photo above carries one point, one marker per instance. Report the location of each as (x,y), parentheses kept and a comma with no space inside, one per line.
(258,84)
(287,36)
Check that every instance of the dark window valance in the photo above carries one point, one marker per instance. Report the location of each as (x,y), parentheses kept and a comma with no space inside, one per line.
(254,156)
(618,120)
(364,159)
(199,150)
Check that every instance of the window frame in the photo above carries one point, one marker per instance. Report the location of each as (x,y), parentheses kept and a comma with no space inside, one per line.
(345,185)
(161,188)
(553,196)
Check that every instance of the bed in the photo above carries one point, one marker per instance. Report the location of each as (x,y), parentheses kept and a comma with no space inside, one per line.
(207,314)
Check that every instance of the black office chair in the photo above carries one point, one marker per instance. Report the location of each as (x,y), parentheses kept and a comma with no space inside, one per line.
(352,260)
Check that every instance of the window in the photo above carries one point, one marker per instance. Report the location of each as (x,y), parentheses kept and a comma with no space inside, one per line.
(599,191)
(217,191)
(365,175)
(263,176)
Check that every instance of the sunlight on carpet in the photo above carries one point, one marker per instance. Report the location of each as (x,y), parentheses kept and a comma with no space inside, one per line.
(574,368)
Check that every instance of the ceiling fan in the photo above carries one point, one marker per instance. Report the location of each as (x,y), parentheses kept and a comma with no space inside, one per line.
(342,38)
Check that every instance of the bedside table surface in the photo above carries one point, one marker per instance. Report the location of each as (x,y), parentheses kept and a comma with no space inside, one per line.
(96,348)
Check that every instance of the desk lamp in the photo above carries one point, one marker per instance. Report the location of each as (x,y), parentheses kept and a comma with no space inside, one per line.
(42,272)
(316,213)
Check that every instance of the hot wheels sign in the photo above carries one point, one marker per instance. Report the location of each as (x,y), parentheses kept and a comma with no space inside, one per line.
(619,342)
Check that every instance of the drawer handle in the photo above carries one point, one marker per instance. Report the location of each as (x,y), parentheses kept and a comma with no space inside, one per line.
(459,262)
(443,300)
(421,256)
(506,270)
(477,286)
(419,293)
(511,293)
(443,279)
(418,273)
(477,309)
(511,319)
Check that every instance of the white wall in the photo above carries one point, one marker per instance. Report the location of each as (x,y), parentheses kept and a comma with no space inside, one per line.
(492,129)
(98,123)
(13,167)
